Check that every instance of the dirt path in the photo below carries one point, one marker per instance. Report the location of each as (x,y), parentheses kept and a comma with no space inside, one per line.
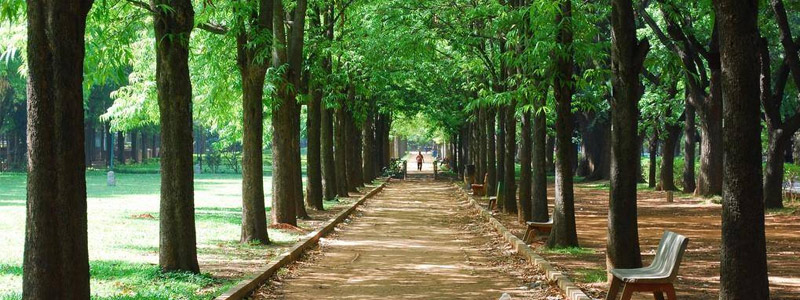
(412,241)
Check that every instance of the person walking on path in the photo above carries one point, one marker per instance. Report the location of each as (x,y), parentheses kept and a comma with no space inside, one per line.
(420,160)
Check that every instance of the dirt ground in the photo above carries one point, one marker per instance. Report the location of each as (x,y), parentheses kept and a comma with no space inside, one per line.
(697,218)
(251,260)
(412,241)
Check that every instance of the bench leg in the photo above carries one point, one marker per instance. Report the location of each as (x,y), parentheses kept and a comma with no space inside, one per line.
(613,290)
(659,295)
(627,292)
(670,292)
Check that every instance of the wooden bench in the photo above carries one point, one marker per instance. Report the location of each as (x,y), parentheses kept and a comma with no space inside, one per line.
(537,227)
(479,189)
(658,277)
(498,195)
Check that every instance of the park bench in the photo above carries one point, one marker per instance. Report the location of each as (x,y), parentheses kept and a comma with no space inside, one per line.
(537,227)
(658,276)
(498,196)
(479,189)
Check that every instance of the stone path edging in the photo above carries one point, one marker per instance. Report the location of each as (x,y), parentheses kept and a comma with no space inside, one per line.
(566,285)
(247,286)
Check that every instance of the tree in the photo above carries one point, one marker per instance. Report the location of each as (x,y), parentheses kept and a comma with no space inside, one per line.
(564,233)
(525,209)
(287,51)
(683,42)
(539,161)
(254,25)
(56,256)
(743,266)
(780,128)
(173,27)
(509,173)
(627,60)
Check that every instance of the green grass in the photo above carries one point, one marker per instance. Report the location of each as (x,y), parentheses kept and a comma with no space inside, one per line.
(591,275)
(568,250)
(123,235)
(786,211)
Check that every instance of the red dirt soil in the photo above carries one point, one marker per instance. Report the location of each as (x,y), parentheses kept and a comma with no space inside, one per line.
(697,218)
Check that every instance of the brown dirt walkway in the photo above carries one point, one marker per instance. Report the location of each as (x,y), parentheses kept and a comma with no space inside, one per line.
(412,241)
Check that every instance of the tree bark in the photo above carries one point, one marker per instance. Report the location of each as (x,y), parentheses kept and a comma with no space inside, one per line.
(550,147)
(667,174)
(653,153)
(313,153)
(743,266)
(773,171)
(135,146)
(328,162)
(525,210)
(501,149)
(368,149)
(564,233)
(351,150)
(539,177)
(56,256)
(341,157)
(177,248)
(491,154)
(689,182)
(253,73)
(510,192)
(595,132)
(627,58)
(121,147)
(287,185)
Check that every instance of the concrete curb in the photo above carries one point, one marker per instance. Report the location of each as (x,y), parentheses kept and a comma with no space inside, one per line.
(566,285)
(247,286)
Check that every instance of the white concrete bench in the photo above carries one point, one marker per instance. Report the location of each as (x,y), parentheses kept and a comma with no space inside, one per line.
(658,277)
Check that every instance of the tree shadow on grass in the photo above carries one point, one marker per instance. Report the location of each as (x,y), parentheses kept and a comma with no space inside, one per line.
(124,280)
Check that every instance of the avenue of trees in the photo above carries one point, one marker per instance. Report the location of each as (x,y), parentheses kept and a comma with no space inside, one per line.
(501,82)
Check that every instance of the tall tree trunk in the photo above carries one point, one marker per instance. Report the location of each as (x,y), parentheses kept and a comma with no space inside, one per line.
(121,147)
(743,266)
(709,180)
(627,58)
(56,256)
(689,181)
(253,73)
(773,171)
(483,152)
(563,233)
(313,156)
(501,149)
(549,155)
(368,149)
(287,185)
(595,132)
(144,145)
(653,153)
(351,150)
(177,248)
(667,176)
(326,142)
(135,146)
(525,210)
(491,154)
(539,163)
(510,192)
(340,154)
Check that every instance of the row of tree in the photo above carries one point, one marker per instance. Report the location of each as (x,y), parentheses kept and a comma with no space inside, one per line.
(275,63)
(625,89)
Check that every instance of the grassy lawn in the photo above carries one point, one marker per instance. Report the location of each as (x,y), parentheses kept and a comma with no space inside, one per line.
(123,236)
